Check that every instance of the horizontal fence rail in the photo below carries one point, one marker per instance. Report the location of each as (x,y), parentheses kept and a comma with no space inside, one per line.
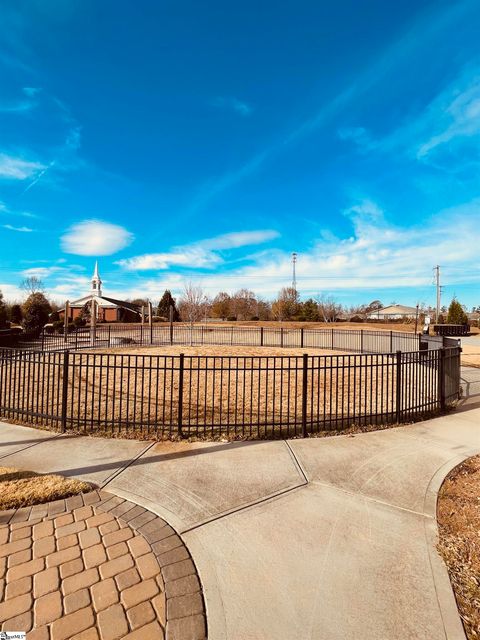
(113,335)
(235,396)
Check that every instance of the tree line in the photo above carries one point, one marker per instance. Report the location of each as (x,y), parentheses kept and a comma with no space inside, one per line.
(194,305)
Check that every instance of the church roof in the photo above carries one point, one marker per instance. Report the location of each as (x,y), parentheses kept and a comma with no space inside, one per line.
(103,301)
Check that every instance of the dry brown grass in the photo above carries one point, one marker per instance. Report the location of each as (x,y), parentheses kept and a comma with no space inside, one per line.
(25,488)
(471,355)
(459,526)
(255,394)
(208,350)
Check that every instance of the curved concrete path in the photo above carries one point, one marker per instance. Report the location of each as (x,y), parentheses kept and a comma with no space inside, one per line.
(322,538)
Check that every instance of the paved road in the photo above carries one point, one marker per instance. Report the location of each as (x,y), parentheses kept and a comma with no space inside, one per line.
(326,539)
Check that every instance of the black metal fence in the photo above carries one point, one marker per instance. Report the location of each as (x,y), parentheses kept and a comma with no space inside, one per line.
(113,335)
(233,396)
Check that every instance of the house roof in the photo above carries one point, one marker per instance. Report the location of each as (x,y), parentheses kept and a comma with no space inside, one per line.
(395,310)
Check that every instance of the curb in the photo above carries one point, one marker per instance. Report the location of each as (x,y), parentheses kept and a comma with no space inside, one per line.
(447,603)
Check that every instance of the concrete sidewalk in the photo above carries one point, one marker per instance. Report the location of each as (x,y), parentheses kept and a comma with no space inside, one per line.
(328,538)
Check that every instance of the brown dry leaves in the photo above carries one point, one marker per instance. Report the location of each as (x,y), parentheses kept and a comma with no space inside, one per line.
(459,526)
(25,488)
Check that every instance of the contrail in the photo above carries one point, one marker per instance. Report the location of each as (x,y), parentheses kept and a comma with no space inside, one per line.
(38,177)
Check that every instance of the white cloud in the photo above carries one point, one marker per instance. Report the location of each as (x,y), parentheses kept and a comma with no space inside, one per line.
(11,292)
(377,256)
(234,104)
(202,254)
(14,168)
(459,118)
(95,238)
(42,272)
(450,120)
(21,229)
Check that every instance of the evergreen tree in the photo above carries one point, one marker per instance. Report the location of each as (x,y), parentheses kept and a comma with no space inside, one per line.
(164,305)
(309,311)
(456,314)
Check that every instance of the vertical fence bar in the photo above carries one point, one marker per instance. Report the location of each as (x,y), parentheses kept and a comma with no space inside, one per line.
(261,336)
(180,394)
(304,395)
(301,338)
(391,341)
(398,390)
(64,391)
(361,340)
(441,378)
(109,333)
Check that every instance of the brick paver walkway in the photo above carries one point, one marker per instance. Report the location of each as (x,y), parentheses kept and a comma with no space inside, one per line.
(94,567)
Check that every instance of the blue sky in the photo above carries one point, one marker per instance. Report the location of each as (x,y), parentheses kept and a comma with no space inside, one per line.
(179,141)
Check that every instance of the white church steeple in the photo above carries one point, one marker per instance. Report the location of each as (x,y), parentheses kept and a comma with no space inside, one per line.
(96,282)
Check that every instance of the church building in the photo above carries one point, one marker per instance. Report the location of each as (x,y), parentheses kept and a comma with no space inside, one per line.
(108,309)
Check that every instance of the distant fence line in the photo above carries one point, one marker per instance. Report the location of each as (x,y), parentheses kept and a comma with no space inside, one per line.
(113,335)
(234,396)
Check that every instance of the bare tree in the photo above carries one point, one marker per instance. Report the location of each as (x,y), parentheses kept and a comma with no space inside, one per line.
(244,304)
(328,308)
(32,284)
(192,305)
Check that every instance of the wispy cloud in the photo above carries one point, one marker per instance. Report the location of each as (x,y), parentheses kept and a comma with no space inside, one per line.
(15,168)
(454,114)
(31,91)
(202,254)
(405,48)
(451,120)
(43,272)
(233,104)
(20,229)
(95,238)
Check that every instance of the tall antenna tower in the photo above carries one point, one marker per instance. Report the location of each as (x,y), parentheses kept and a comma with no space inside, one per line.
(294,275)
(439,292)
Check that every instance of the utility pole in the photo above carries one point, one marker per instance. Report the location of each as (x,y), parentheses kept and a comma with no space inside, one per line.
(439,289)
(294,275)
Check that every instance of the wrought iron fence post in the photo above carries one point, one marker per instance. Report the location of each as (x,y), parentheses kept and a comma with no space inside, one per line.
(180,395)
(304,395)
(442,379)
(398,387)
(43,339)
(281,336)
(261,336)
(109,332)
(361,340)
(301,338)
(65,391)
(391,341)
(332,338)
